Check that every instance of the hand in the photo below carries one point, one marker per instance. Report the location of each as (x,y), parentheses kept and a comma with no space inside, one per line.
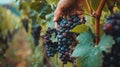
(69,7)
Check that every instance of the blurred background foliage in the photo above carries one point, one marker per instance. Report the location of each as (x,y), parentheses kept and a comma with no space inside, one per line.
(17,47)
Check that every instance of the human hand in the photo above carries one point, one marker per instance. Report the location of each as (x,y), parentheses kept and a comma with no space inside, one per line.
(69,7)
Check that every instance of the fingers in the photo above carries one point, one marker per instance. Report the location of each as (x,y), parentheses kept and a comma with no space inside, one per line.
(75,12)
(57,15)
(62,6)
(56,18)
(64,10)
(80,14)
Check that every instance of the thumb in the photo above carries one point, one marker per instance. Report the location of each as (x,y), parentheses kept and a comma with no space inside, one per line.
(57,15)
(55,19)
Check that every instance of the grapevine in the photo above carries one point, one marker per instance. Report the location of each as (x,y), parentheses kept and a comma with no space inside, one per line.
(60,33)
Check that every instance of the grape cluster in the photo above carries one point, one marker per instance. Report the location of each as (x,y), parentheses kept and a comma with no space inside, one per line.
(51,47)
(112,59)
(25,24)
(65,37)
(36,34)
(112,27)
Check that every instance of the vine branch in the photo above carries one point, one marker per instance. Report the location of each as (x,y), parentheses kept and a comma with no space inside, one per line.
(91,10)
(62,64)
(97,19)
(96,15)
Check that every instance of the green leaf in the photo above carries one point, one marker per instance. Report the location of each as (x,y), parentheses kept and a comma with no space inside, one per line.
(94,59)
(42,7)
(46,9)
(82,50)
(52,1)
(80,28)
(85,37)
(90,22)
(37,57)
(49,16)
(49,19)
(106,43)
(86,44)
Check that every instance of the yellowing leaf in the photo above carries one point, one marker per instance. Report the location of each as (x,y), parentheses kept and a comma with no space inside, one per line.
(80,28)
(52,1)
(116,9)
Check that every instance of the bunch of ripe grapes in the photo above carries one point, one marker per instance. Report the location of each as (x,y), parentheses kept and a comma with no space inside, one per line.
(25,24)
(36,34)
(65,40)
(112,27)
(51,47)
(65,37)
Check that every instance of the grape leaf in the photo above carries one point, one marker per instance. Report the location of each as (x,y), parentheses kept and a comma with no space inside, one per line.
(82,50)
(90,22)
(86,52)
(106,43)
(94,59)
(42,7)
(85,37)
(86,43)
(37,57)
(116,9)
(80,28)
(49,19)
(44,11)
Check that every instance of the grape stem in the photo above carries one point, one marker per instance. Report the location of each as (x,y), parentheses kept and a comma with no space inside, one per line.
(97,16)
(74,63)
(62,64)
(97,19)
(74,37)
